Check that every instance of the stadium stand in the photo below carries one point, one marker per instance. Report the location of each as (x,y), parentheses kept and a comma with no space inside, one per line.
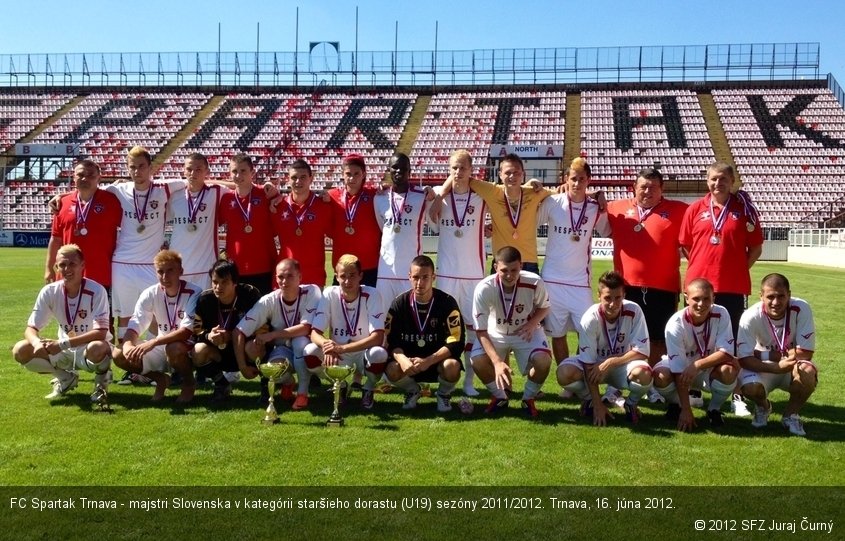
(21,112)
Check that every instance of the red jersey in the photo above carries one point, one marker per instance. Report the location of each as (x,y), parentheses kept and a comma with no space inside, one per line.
(302,231)
(646,250)
(98,220)
(249,231)
(724,263)
(355,229)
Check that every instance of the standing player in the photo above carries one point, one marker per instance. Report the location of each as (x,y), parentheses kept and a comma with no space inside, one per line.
(700,346)
(281,321)
(193,215)
(355,229)
(612,349)
(425,338)
(354,318)
(775,345)
(80,306)
(400,213)
(171,303)
(218,311)
(89,218)
(572,217)
(508,308)
(249,230)
(461,251)
(302,222)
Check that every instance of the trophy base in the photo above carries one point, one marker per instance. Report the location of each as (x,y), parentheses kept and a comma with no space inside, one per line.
(269,421)
(335,422)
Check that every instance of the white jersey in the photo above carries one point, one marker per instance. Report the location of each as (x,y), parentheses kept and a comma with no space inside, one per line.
(461,252)
(194,224)
(567,260)
(406,212)
(170,313)
(758,332)
(686,342)
(349,321)
(271,309)
(500,313)
(89,310)
(134,246)
(601,339)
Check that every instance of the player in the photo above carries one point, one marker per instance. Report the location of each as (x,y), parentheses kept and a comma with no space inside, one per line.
(507,310)
(302,221)
(572,218)
(192,212)
(612,348)
(249,231)
(355,229)
(461,250)
(80,306)
(281,321)
(425,338)
(172,303)
(775,345)
(700,345)
(218,311)
(352,314)
(400,212)
(89,218)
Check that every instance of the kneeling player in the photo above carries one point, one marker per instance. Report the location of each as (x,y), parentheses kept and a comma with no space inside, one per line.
(288,312)
(425,338)
(613,348)
(353,315)
(699,346)
(507,310)
(81,309)
(775,344)
(219,310)
(172,303)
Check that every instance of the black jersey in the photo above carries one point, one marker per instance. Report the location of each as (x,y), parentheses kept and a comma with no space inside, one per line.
(440,319)
(210,313)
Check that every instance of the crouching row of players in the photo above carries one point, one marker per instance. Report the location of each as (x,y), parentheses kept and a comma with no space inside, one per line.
(422,337)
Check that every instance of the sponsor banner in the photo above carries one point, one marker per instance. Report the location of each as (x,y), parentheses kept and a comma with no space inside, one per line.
(527,151)
(602,248)
(26,149)
(30,239)
(7,238)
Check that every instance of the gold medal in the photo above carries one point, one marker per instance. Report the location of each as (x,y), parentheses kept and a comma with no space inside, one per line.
(140,228)
(192,227)
(397,228)
(575,238)
(350,230)
(515,235)
(421,342)
(298,231)
(71,334)
(247,228)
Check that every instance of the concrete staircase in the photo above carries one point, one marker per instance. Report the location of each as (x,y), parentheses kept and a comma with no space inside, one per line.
(412,127)
(716,132)
(572,127)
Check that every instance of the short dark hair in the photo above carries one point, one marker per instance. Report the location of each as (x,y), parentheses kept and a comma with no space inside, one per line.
(223,268)
(355,159)
(240,158)
(198,157)
(88,162)
(611,280)
(511,157)
(775,280)
(508,254)
(650,173)
(301,164)
(422,261)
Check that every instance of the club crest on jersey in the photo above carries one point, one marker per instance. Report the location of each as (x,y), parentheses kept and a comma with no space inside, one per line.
(584,220)
(154,204)
(98,208)
(311,216)
(83,313)
(203,206)
(256,200)
(629,213)
(663,214)
(734,216)
(519,308)
(620,338)
(470,209)
(407,208)
(285,215)
(180,314)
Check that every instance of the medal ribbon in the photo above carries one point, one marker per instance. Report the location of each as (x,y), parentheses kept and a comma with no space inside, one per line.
(576,225)
(350,211)
(704,347)
(72,320)
(140,212)
(301,216)
(82,211)
(751,212)
(644,213)
(225,322)
(421,325)
(514,219)
(397,215)
(718,223)
(783,341)
(293,320)
(351,325)
(171,320)
(507,308)
(246,213)
(193,209)
(459,223)
(611,343)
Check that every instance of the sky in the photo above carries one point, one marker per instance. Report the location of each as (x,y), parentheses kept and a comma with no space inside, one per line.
(92,26)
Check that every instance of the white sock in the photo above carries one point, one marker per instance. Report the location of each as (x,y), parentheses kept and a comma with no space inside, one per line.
(579,389)
(531,389)
(407,384)
(495,391)
(719,394)
(445,388)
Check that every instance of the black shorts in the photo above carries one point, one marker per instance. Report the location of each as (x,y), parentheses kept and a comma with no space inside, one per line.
(735,304)
(263,282)
(658,305)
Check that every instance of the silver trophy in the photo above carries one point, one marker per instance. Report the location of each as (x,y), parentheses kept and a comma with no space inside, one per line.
(337,374)
(273,372)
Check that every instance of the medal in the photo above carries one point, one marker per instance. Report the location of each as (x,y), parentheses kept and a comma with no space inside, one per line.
(783,341)
(140,228)
(82,216)
(514,218)
(421,324)
(221,346)
(459,222)
(421,342)
(614,342)
(194,205)
(247,228)
(397,212)
(350,230)
(750,227)
(507,308)
(350,211)
(172,319)
(71,318)
(703,346)
(299,217)
(718,223)
(515,235)
(294,318)
(71,334)
(192,227)
(140,212)
(459,233)
(575,238)
(643,214)
(576,223)
(298,231)
(638,228)
(351,324)
(397,228)
(245,212)
(83,231)
(714,240)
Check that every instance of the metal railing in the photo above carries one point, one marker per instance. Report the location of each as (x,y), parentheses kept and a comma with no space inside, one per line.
(817,238)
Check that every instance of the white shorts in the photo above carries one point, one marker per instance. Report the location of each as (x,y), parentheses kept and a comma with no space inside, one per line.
(522,350)
(701,380)
(128,281)
(389,289)
(618,377)
(156,361)
(461,289)
(769,381)
(72,359)
(568,304)
(359,359)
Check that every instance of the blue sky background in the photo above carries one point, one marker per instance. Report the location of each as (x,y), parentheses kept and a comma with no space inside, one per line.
(163,26)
